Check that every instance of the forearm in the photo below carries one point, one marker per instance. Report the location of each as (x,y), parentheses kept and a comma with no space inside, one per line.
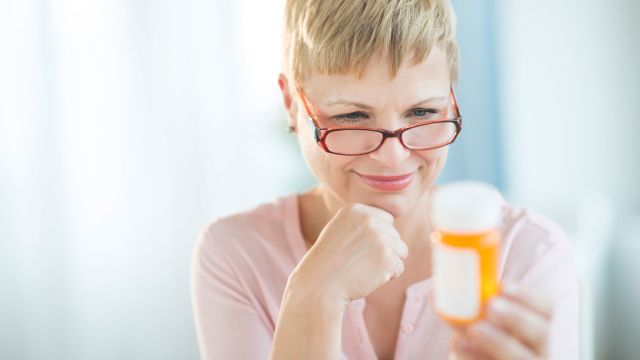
(309,326)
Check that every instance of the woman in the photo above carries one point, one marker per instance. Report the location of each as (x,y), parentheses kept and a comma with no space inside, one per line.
(343,270)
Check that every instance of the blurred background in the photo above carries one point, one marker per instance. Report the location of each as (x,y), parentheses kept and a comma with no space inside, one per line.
(127,126)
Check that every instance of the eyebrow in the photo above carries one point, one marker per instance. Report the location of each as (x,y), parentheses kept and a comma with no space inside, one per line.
(369,107)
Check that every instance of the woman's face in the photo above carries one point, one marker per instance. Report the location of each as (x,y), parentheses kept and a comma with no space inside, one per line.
(390,104)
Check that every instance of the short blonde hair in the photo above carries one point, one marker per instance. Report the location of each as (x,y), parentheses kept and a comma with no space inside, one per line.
(340,36)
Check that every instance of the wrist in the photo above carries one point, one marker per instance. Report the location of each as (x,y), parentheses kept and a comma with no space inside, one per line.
(309,322)
(308,294)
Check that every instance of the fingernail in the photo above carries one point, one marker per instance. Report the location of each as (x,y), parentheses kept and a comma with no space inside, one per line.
(481,329)
(498,306)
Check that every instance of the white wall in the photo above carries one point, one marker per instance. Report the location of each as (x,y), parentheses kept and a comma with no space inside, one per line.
(569,91)
(126,126)
(570,83)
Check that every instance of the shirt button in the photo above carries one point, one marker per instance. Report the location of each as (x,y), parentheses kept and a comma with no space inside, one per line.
(408,328)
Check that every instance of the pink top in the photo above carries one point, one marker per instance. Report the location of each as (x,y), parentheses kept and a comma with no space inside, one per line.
(241,264)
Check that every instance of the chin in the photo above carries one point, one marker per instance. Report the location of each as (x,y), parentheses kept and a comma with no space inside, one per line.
(398,204)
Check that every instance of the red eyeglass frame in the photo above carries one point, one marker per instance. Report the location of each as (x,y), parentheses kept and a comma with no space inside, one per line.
(321,133)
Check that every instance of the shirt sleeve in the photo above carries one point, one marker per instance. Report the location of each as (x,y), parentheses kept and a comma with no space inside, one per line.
(554,274)
(227,324)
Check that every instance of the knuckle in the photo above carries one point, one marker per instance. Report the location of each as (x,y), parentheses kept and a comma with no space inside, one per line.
(357,205)
(389,254)
(404,249)
(369,222)
(350,209)
(386,260)
(387,263)
(357,208)
(381,248)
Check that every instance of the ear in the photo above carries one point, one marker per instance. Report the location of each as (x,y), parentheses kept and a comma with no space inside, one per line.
(290,104)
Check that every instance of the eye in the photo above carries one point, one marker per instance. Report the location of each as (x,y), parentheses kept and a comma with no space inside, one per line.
(351,117)
(423,112)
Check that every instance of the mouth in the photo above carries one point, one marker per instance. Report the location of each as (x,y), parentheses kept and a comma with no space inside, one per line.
(387,183)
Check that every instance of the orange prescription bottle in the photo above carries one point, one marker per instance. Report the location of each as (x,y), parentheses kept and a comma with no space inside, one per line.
(466,217)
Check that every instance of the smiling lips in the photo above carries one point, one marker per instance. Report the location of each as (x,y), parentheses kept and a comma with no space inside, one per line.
(387,183)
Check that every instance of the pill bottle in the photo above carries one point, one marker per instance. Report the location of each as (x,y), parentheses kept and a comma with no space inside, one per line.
(466,219)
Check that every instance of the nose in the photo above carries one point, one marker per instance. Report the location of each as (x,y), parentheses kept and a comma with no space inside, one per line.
(391,153)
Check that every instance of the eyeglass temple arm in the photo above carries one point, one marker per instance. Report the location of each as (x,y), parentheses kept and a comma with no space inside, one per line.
(310,116)
(455,103)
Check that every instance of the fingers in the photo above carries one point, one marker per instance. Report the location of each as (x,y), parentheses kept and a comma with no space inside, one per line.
(516,327)
(386,228)
(495,343)
(397,267)
(522,322)
(375,212)
(461,350)
(377,227)
(466,354)
(399,248)
(530,298)
(397,245)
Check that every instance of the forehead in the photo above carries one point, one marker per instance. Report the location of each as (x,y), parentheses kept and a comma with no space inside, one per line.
(430,77)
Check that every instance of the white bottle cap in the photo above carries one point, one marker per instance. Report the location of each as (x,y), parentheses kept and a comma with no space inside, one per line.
(466,206)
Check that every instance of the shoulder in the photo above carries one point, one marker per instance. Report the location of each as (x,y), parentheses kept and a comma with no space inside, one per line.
(246,226)
(250,240)
(535,248)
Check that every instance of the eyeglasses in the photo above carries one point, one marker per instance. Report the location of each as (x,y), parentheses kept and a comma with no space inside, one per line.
(357,140)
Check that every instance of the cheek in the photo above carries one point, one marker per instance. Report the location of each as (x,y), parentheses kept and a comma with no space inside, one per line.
(434,157)
(434,161)
(326,168)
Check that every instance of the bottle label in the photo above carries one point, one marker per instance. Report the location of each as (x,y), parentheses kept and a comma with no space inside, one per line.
(456,275)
